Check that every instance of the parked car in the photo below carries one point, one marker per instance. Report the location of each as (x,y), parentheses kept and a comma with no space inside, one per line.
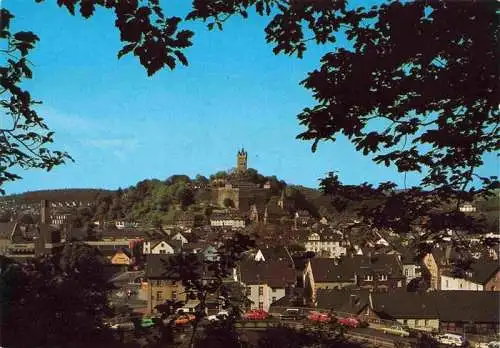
(126,326)
(256,314)
(319,317)
(494,344)
(451,340)
(292,314)
(349,322)
(222,315)
(147,322)
(396,330)
(184,319)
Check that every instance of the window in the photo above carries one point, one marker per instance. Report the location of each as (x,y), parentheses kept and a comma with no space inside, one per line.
(174,295)
(261,305)
(162,251)
(426,322)
(261,290)
(159,296)
(405,321)
(249,291)
(369,278)
(417,322)
(407,272)
(273,299)
(382,277)
(447,284)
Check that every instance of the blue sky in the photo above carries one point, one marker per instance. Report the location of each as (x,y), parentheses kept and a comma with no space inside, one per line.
(122,126)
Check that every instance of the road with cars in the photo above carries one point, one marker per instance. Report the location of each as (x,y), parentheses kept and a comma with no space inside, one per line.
(128,294)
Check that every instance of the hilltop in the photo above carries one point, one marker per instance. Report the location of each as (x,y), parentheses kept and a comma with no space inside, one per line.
(58,195)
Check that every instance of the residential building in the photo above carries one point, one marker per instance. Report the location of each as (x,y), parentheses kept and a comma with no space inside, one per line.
(228,219)
(467,208)
(483,276)
(408,308)
(160,286)
(157,247)
(411,267)
(325,244)
(379,272)
(122,257)
(180,237)
(468,311)
(186,220)
(125,224)
(354,302)
(266,282)
(302,218)
(447,311)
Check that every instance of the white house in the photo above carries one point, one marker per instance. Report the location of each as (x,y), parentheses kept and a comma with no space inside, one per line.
(259,256)
(233,221)
(180,237)
(124,224)
(157,247)
(467,208)
(266,282)
(411,271)
(448,282)
(329,244)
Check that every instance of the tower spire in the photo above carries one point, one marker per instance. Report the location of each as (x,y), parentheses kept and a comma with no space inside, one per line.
(241,160)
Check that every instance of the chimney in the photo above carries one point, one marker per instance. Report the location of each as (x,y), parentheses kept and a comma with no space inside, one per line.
(44,211)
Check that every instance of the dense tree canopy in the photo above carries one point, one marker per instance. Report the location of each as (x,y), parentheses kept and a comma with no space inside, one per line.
(55,301)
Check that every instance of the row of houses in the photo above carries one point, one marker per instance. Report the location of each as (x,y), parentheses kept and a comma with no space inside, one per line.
(451,311)
(372,289)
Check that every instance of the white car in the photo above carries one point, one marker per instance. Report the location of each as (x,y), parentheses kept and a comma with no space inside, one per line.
(451,340)
(222,315)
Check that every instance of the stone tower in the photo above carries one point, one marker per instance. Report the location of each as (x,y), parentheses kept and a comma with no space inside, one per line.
(241,163)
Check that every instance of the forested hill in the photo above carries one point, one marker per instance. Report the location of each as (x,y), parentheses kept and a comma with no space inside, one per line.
(59,195)
(157,201)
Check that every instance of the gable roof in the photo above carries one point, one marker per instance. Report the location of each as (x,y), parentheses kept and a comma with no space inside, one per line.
(459,305)
(342,300)
(448,306)
(346,268)
(155,243)
(125,251)
(276,274)
(404,305)
(482,271)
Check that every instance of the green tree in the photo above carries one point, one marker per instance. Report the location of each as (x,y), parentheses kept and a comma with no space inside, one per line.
(184,195)
(55,301)
(201,181)
(163,197)
(191,271)
(24,136)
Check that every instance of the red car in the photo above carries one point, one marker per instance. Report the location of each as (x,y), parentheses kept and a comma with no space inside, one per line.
(349,322)
(319,317)
(256,314)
